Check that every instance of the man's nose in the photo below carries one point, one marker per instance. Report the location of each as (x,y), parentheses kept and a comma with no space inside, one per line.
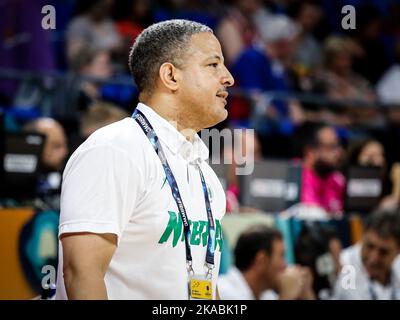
(373,257)
(228,80)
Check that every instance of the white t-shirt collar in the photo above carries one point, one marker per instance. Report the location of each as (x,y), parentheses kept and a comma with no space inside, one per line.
(173,139)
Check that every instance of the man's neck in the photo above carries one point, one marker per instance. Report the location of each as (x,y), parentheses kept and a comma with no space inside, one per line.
(255,284)
(172,114)
(384,279)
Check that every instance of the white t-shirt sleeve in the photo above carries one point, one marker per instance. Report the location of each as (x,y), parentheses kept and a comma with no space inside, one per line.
(101,187)
(348,285)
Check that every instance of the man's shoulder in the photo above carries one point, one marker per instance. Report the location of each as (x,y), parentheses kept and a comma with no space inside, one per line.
(123,136)
(351,255)
(233,286)
(117,148)
(352,273)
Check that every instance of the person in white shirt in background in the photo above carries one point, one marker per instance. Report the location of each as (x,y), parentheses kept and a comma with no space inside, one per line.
(387,87)
(122,233)
(371,268)
(260,271)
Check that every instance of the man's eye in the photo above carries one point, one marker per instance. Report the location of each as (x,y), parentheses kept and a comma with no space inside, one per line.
(214,65)
(370,246)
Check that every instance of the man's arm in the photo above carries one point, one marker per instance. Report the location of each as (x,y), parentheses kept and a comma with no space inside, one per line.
(86,257)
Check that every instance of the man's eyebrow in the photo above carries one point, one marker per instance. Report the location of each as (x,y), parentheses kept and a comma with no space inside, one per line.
(215,56)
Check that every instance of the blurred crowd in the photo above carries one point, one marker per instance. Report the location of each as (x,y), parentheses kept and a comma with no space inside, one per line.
(278,51)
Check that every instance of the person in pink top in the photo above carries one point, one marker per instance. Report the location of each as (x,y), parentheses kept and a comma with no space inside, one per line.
(322,183)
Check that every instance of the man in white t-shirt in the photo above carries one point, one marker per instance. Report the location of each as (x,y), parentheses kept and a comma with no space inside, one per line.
(260,271)
(122,233)
(371,268)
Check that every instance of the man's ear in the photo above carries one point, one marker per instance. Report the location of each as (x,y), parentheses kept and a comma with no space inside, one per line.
(261,258)
(168,76)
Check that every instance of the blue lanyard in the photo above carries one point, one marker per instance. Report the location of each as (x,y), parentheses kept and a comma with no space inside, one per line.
(152,136)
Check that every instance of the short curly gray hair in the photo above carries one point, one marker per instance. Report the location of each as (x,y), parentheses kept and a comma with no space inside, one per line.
(162,42)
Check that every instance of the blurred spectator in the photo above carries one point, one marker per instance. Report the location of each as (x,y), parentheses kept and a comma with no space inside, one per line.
(246,148)
(236,30)
(98,114)
(132,17)
(371,268)
(55,148)
(370,152)
(389,93)
(260,268)
(93,28)
(388,86)
(318,247)
(338,80)
(307,14)
(371,58)
(264,67)
(322,184)
(53,159)
(89,62)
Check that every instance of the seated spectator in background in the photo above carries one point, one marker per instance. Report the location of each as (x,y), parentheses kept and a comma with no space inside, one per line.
(245,148)
(338,80)
(388,86)
(264,67)
(55,149)
(371,58)
(93,28)
(308,54)
(322,183)
(368,152)
(389,94)
(371,268)
(54,154)
(98,115)
(371,153)
(318,247)
(88,62)
(236,30)
(132,17)
(260,269)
